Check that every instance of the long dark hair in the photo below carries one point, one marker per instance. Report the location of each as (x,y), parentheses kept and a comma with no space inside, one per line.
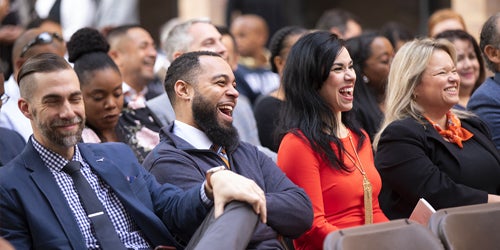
(305,113)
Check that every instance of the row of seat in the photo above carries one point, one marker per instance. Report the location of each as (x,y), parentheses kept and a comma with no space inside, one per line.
(466,227)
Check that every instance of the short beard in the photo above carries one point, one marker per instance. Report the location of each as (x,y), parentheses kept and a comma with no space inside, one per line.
(205,117)
(61,139)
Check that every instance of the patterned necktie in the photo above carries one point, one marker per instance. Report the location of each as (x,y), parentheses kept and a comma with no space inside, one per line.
(221,152)
(104,230)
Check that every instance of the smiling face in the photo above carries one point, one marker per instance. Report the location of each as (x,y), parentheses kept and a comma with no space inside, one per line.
(103,98)
(338,88)
(56,109)
(467,63)
(207,38)
(137,55)
(377,66)
(214,99)
(438,88)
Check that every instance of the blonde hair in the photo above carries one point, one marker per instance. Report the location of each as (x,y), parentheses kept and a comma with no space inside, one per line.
(405,75)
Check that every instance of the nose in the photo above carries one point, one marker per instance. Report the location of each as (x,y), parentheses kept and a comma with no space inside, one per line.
(232,91)
(67,110)
(467,62)
(454,77)
(152,51)
(110,103)
(221,49)
(350,75)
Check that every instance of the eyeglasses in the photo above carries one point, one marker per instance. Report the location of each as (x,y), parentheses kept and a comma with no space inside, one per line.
(4,98)
(42,38)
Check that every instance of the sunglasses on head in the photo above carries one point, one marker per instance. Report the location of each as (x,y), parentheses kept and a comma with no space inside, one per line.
(42,38)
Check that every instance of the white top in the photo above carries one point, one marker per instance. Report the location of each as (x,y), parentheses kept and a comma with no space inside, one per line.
(74,14)
(194,136)
(91,13)
(11,116)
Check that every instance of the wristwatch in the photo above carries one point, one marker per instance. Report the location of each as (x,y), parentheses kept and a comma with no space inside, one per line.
(210,172)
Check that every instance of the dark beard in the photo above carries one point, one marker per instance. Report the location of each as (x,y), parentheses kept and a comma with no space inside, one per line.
(205,117)
(61,139)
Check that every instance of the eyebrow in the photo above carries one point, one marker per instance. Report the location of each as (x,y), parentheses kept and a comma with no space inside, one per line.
(56,96)
(342,64)
(384,54)
(226,77)
(210,39)
(99,90)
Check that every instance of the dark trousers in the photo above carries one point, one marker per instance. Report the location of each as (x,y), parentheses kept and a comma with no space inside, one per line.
(232,230)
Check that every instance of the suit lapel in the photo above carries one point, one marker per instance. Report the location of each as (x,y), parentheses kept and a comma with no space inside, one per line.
(116,178)
(47,185)
(432,134)
(108,171)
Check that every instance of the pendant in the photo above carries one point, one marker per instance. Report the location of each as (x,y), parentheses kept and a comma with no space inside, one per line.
(367,194)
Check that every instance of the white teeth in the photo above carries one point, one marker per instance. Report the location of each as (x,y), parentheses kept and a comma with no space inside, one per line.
(347,90)
(226,107)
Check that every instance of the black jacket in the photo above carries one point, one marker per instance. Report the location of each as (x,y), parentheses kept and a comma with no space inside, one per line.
(414,161)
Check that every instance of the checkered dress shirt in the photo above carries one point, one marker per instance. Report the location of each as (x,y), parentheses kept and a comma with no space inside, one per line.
(127,229)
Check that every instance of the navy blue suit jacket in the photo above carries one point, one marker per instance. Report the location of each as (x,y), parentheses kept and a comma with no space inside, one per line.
(35,215)
(11,144)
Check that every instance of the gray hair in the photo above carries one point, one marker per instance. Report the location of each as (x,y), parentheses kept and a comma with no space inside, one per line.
(178,38)
(490,36)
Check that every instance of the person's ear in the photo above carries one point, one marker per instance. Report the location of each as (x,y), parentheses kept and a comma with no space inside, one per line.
(492,53)
(24,106)
(176,54)
(115,56)
(183,90)
(336,31)
(279,62)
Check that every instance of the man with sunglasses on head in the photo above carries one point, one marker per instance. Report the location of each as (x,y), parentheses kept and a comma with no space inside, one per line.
(32,42)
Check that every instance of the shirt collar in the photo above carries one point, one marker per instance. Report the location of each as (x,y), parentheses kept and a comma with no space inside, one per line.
(52,160)
(192,135)
(497,77)
(130,93)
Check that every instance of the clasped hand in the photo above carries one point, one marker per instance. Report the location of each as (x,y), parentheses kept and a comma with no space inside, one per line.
(228,186)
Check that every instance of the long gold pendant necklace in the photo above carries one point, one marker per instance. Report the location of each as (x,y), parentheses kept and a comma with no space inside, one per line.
(367,186)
